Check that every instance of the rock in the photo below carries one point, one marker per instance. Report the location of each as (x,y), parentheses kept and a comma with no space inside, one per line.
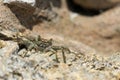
(22,52)
(25,4)
(81,64)
(5,34)
(115,58)
(8,20)
(32,3)
(9,49)
(98,4)
(2,44)
(30,12)
(21,3)
(2,67)
(39,65)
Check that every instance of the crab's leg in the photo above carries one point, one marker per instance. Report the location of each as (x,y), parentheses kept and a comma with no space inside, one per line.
(64,57)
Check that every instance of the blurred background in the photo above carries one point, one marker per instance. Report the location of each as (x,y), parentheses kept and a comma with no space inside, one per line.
(95,23)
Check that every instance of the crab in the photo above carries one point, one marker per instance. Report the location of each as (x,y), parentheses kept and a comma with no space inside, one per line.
(39,44)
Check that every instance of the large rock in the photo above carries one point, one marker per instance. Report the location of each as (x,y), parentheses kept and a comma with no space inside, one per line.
(21,3)
(97,4)
(30,2)
(31,12)
(7,19)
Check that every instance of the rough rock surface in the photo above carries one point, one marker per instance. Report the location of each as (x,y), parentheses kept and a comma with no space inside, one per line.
(97,4)
(32,65)
(30,12)
(8,19)
(9,49)
(27,57)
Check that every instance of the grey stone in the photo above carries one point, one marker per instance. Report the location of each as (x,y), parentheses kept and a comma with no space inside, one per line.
(9,49)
